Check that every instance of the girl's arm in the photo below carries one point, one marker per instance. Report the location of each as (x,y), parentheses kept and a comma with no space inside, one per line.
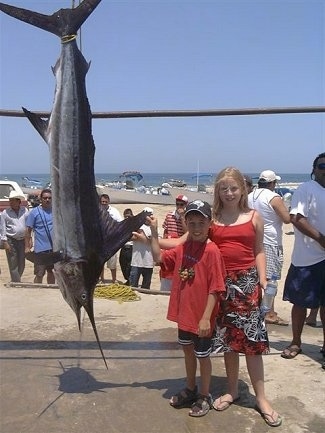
(167,244)
(259,248)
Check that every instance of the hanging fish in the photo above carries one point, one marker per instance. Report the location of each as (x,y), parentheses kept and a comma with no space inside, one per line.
(84,234)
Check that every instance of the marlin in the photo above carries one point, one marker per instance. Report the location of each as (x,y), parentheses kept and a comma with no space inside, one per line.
(85,236)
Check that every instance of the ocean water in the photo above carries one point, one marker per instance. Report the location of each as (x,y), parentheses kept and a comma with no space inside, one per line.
(149,179)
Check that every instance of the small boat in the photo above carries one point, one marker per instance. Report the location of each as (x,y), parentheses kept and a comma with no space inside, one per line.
(131,178)
(31,183)
(176,183)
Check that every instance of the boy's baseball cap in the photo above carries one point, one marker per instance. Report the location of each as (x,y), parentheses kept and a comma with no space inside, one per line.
(182,197)
(199,206)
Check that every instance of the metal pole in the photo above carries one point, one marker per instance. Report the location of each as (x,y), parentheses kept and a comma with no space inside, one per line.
(183,113)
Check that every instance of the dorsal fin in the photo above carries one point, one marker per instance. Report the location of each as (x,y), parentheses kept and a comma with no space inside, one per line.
(116,234)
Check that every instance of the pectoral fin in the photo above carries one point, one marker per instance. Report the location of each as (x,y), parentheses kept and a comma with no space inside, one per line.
(39,124)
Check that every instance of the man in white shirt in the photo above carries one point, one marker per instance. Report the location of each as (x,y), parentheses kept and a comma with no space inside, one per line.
(274,213)
(13,237)
(111,264)
(142,262)
(305,283)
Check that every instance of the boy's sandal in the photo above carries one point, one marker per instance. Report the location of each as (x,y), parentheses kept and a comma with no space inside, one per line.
(184,398)
(202,405)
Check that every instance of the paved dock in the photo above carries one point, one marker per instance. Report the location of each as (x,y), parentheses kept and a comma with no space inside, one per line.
(53,379)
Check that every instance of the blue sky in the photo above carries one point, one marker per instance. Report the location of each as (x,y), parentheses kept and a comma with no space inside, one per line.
(176,54)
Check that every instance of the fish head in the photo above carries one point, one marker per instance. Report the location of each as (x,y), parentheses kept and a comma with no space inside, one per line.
(76,286)
(77,282)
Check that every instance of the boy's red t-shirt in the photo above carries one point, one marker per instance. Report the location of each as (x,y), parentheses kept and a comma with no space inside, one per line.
(188,298)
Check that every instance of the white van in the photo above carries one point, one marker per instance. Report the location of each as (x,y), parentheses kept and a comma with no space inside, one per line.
(6,186)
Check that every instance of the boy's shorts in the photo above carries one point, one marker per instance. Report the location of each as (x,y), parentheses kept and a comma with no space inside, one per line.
(202,345)
(305,285)
(112,262)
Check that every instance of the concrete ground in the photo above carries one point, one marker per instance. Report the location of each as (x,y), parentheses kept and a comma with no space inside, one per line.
(53,379)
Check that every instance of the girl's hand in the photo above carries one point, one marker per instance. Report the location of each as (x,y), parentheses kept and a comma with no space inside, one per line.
(263,284)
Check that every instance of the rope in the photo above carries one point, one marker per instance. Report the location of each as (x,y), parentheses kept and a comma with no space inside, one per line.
(118,292)
(68,38)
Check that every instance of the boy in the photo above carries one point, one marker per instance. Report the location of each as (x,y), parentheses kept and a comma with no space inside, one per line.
(142,262)
(198,281)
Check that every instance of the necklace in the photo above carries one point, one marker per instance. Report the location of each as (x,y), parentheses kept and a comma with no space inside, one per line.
(255,197)
(192,254)
(230,219)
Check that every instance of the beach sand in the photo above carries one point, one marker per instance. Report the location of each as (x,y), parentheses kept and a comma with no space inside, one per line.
(53,378)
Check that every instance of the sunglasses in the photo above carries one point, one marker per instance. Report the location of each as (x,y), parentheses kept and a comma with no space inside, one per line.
(180,203)
(321,166)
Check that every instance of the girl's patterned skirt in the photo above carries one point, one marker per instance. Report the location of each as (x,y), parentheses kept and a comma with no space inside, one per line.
(240,326)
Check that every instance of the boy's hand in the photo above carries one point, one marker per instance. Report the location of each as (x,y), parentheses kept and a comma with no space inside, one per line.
(139,236)
(204,328)
(152,221)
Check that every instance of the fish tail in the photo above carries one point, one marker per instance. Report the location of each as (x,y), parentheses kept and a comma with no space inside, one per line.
(62,23)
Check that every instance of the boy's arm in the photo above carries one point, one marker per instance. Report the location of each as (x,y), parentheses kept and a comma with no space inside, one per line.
(155,248)
(204,328)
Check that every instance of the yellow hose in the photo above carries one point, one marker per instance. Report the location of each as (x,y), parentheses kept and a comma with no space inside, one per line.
(117,292)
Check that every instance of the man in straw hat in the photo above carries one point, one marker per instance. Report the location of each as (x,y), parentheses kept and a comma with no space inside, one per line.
(13,238)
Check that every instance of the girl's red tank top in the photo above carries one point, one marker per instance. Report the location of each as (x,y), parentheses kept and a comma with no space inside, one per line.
(236,244)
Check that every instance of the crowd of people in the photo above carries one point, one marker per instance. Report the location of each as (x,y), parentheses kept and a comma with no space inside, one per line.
(216,263)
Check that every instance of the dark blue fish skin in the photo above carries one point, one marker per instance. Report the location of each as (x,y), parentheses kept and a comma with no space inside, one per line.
(85,235)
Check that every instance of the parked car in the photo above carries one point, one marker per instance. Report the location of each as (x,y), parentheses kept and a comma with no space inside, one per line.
(6,186)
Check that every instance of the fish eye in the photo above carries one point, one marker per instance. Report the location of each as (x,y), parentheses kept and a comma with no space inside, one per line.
(84,296)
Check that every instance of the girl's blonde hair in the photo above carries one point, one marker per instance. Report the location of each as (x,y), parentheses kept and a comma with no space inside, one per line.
(238,177)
